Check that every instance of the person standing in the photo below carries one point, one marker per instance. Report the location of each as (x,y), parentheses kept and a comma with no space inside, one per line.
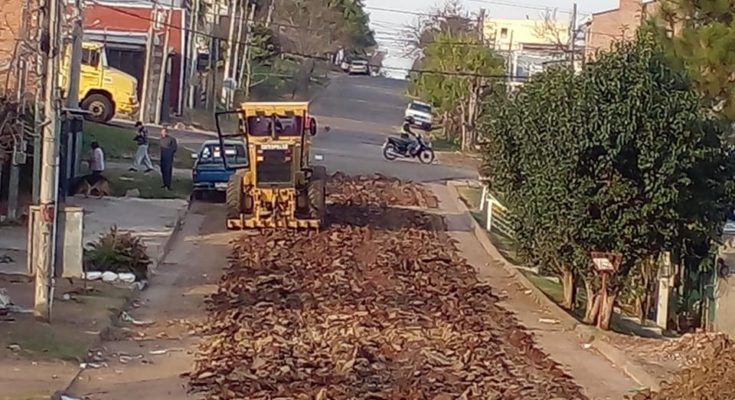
(168,151)
(141,156)
(97,159)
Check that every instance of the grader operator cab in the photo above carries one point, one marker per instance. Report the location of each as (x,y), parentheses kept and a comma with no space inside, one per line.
(278,187)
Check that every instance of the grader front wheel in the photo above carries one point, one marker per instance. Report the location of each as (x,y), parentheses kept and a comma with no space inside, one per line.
(234,195)
(317,199)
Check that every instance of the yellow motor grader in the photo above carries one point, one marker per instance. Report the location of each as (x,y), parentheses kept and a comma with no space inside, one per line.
(278,187)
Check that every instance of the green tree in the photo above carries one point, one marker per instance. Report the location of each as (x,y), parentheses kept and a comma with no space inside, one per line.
(700,35)
(531,160)
(454,75)
(620,158)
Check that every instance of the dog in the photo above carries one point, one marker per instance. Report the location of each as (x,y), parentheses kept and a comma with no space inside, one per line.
(92,185)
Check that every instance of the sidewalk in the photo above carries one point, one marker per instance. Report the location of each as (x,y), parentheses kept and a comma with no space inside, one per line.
(599,378)
(37,358)
(153,220)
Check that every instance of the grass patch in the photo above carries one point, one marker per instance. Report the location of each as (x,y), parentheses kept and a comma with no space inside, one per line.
(551,288)
(148,184)
(118,144)
(470,196)
(505,244)
(44,343)
(443,144)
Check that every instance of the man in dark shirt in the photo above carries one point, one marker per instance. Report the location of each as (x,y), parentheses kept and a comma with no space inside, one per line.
(168,150)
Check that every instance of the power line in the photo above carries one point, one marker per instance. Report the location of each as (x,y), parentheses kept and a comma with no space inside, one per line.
(294,54)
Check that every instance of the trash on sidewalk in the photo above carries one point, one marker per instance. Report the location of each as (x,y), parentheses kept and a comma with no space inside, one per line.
(549,321)
(128,318)
(93,365)
(125,358)
(14,347)
(61,396)
(164,351)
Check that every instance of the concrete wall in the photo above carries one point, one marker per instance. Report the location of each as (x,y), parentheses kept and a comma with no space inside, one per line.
(522,31)
(137,18)
(724,291)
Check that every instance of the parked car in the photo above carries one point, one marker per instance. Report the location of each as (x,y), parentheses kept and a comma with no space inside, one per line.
(209,174)
(419,114)
(359,67)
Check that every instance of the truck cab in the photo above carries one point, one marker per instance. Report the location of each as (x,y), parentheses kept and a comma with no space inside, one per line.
(103,91)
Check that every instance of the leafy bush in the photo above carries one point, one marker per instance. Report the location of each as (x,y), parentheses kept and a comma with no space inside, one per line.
(118,252)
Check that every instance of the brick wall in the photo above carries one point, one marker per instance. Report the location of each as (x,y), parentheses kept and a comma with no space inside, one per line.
(610,26)
(9,26)
(137,19)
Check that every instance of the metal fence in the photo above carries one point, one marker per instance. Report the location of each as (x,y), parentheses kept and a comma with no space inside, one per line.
(496,214)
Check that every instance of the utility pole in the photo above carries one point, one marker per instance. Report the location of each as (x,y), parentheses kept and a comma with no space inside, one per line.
(269,16)
(248,63)
(228,53)
(44,247)
(164,66)
(573,36)
(150,43)
(481,26)
(236,69)
(75,64)
(194,53)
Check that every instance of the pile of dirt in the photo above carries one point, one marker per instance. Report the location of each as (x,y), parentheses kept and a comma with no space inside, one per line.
(689,350)
(376,306)
(711,375)
(378,190)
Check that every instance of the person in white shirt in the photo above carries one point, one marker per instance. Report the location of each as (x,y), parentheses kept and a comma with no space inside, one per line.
(97,160)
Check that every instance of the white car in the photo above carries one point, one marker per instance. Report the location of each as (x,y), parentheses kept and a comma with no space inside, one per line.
(419,114)
(359,67)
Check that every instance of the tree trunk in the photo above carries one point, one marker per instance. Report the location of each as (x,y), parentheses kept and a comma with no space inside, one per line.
(593,303)
(462,124)
(606,311)
(569,283)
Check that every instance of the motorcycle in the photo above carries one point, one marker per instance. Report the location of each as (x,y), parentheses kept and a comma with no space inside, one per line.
(395,147)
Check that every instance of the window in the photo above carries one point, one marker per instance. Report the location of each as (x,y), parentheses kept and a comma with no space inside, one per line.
(91,57)
(504,33)
(235,153)
(281,125)
(421,108)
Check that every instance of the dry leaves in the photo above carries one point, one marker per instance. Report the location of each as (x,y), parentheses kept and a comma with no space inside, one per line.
(376,306)
(711,375)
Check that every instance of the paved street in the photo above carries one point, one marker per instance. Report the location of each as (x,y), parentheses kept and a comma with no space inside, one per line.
(361,112)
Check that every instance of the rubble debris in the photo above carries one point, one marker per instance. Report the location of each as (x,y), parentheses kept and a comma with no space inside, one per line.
(376,306)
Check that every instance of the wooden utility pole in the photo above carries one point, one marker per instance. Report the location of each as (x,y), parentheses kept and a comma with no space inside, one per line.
(75,63)
(573,36)
(44,247)
(228,54)
(150,43)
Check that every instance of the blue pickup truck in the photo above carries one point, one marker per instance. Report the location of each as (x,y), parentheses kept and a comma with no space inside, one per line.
(209,174)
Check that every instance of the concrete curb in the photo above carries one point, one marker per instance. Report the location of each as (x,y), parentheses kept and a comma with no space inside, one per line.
(584,332)
(165,249)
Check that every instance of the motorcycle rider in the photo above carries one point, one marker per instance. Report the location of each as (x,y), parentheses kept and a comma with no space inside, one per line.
(415,138)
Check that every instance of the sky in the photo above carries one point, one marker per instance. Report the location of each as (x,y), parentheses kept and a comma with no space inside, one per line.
(389,17)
